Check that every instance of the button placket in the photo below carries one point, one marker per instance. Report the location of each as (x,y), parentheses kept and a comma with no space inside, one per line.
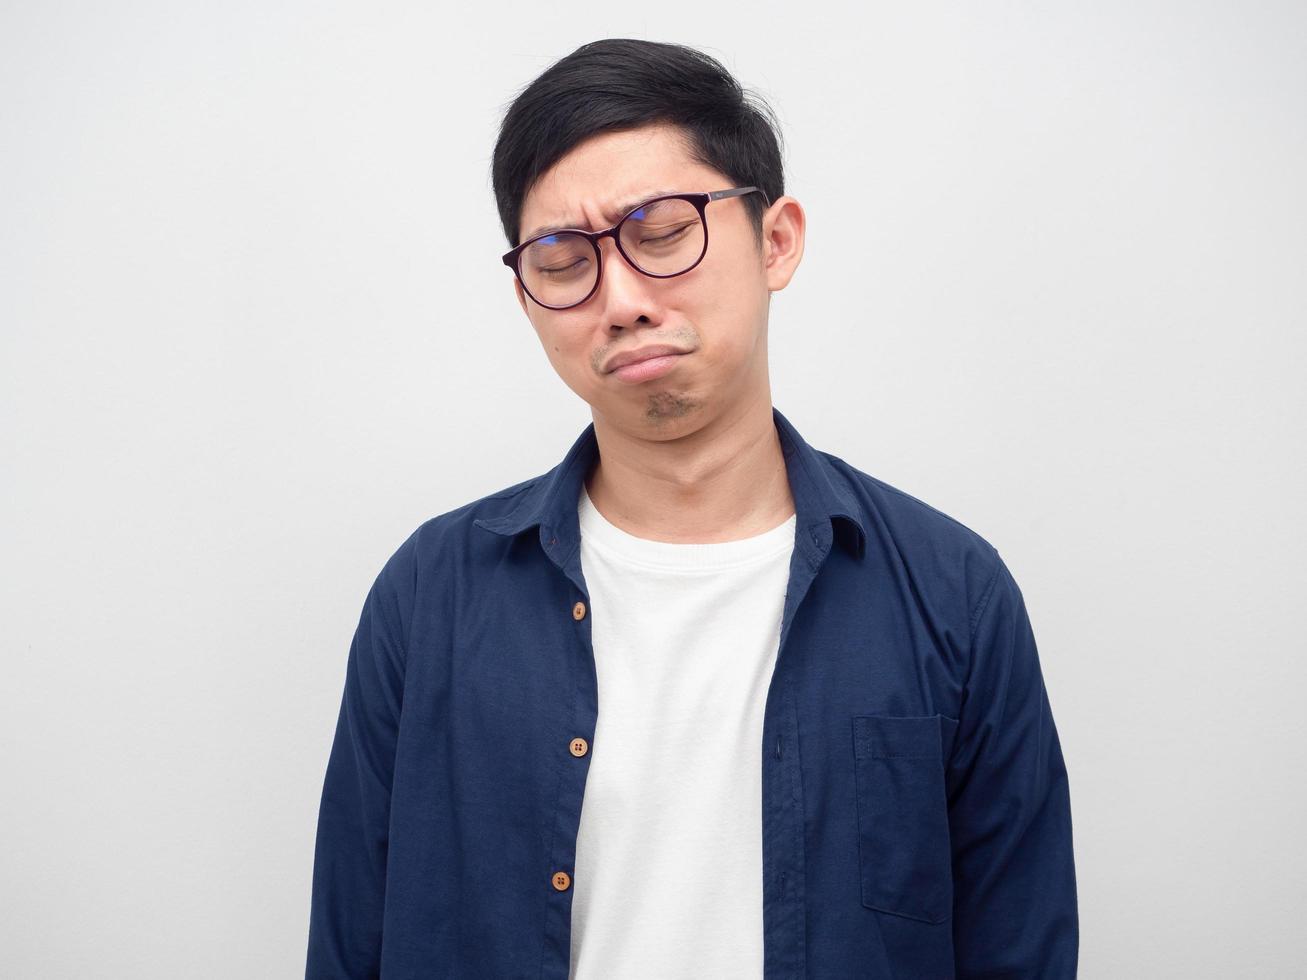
(578,746)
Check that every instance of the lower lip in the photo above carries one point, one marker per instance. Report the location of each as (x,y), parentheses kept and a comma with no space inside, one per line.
(653,367)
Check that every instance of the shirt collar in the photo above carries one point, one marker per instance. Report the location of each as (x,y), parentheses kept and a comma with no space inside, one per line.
(820,496)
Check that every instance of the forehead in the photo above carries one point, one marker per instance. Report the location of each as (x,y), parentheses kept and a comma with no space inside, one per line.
(610,173)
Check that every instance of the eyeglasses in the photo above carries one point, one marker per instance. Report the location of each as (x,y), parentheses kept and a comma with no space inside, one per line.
(662,237)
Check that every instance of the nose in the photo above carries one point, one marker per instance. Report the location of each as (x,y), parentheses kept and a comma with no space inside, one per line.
(622,287)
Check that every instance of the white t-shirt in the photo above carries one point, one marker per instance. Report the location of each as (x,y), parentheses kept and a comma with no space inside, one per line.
(668,875)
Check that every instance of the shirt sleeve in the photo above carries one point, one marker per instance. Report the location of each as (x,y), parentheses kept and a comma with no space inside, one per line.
(1014,888)
(349,866)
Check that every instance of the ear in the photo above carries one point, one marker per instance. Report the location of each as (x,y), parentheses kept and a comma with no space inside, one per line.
(521,296)
(783,227)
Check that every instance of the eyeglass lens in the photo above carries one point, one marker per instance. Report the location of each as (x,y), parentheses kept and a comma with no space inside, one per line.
(662,237)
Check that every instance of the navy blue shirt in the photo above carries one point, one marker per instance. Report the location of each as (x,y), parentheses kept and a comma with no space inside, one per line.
(916,816)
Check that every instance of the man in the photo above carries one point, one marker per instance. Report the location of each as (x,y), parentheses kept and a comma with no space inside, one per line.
(701,700)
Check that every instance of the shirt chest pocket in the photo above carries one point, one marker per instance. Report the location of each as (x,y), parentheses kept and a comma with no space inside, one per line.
(903,836)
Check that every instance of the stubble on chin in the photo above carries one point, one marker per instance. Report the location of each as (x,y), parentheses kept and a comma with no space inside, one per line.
(666,406)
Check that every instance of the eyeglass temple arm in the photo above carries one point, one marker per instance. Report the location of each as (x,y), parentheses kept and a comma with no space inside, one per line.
(737,192)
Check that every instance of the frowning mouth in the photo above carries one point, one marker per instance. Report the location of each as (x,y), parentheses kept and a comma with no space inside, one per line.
(648,368)
(640,354)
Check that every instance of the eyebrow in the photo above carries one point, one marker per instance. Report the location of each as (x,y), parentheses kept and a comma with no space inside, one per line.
(612,215)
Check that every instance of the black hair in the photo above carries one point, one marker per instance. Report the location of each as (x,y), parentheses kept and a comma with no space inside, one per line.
(622,83)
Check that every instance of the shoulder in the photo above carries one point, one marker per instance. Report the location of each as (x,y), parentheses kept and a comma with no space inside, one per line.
(444,537)
(941,557)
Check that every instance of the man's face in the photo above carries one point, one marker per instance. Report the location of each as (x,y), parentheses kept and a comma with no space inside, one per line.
(716,313)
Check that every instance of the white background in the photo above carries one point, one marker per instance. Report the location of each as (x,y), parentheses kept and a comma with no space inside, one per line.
(255,330)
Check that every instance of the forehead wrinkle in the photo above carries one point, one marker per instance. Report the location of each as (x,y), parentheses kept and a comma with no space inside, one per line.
(612,214)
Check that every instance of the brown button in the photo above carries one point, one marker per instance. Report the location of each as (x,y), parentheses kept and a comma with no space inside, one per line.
(578,611)
(561,881)
(579,747)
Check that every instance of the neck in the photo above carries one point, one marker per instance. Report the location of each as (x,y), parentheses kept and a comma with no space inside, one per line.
(723,481)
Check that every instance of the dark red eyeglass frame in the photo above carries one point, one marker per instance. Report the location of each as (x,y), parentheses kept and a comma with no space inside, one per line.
(700,200)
